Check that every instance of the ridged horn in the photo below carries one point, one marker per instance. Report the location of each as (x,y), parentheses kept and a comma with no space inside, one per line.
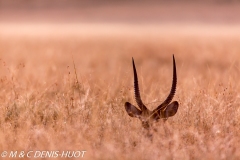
(136,89)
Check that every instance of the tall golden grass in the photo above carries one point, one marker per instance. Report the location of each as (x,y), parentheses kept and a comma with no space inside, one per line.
(44,108)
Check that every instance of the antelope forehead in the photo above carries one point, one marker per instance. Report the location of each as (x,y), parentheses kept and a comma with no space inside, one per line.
(150,118)
(143,119)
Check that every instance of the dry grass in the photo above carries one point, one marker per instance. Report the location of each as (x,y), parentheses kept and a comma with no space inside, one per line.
(42,107)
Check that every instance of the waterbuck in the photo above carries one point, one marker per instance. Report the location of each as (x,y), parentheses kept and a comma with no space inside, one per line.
(164,110)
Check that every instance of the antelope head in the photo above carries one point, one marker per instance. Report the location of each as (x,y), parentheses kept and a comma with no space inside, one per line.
(164,110)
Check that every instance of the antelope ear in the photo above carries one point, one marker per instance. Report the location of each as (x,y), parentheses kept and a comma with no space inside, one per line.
(171,110)
(132,110)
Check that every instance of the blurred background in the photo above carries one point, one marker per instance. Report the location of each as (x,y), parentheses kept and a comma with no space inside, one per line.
(118,30)
(121,28)
(116,11)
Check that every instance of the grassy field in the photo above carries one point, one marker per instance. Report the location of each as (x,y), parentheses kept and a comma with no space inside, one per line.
(44,108)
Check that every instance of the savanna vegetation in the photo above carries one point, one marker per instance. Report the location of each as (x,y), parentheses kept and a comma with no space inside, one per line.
(66,90)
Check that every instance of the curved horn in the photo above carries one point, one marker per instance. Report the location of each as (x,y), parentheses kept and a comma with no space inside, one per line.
(136,89)
(173,89)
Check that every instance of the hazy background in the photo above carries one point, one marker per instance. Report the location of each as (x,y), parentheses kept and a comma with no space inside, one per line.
(116,11)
